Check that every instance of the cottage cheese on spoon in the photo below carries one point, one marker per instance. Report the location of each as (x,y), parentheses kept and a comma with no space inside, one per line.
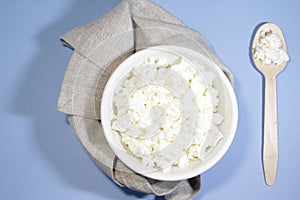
(269,49)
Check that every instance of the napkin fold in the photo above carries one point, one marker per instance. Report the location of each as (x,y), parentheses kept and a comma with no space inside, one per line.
(98,48)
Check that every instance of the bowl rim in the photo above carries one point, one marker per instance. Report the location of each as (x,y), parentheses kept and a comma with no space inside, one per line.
(159,175)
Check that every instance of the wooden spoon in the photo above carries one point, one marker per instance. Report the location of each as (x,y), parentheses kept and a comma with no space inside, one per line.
(270,137)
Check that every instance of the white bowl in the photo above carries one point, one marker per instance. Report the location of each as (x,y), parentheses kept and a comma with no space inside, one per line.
(227,107)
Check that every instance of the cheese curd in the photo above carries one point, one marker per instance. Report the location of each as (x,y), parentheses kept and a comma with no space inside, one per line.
(269,49)
(166,113)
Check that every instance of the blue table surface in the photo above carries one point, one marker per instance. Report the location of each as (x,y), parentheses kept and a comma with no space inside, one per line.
(40,157)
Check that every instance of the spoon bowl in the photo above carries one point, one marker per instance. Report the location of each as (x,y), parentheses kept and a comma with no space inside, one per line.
(270,72)
(272,68)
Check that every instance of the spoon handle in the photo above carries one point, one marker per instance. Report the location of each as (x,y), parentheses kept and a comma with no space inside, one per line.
(270,143)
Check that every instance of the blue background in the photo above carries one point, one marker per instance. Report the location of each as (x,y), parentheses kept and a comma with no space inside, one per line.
(40,157)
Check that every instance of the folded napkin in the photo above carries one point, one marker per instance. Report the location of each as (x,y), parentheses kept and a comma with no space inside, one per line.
(99,47)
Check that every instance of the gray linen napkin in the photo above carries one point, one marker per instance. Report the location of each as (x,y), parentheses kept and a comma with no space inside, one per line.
(99,47)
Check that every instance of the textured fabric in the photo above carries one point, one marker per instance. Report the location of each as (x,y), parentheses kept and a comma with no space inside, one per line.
(99,47)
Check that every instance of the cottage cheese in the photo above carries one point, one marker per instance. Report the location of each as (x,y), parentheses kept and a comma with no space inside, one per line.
(166,113)
(269,49)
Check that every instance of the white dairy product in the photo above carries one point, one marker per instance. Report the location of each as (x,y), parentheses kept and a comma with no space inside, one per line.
(269,49)
(166,113)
